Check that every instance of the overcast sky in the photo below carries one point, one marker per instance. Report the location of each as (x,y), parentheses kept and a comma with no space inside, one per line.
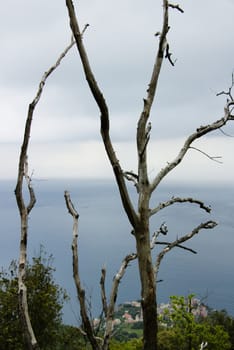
(121,45)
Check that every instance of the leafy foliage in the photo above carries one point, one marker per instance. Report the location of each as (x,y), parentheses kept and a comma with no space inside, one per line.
(134,344)
(71,339)
(184,332)
(45,301)
(222,318)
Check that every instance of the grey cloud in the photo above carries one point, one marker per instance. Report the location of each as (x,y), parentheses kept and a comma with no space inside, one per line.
(122,47)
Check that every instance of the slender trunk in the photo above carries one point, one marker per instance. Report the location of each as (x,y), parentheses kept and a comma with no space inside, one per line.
(28,332)
(148,289)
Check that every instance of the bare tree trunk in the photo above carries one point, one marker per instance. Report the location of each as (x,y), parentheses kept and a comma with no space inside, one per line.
(23,304)
(24,210)
(148,290)
(87,324)
(139,219)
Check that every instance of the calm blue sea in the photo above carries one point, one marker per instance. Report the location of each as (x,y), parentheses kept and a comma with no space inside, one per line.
(104,238)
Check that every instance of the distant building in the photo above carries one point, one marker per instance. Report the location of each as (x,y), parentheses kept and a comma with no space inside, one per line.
(131,312)
(127,317)
(136,304)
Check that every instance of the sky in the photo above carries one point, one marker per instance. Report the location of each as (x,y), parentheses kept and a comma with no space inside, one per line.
(65,140)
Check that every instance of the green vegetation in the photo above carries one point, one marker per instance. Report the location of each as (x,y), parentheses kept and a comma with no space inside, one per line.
(186,330)
(180,325)
(45,300)
(127,331)
(134,344)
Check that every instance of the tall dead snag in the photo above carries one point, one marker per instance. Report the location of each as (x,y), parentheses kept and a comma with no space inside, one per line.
(25,209)
(108,307)
(87,323)
(139,218)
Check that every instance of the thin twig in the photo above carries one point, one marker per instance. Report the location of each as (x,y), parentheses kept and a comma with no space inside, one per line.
(168,55)
(177,7)
(178,245)
(229,92)
(201,131)
(225,133)
(214,158)
(131,176)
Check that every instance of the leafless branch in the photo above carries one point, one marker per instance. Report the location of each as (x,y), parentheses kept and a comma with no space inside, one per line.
(82,332)
(180,200)
(85,27)
(225,133)
(28,179)
(105,125)
(203,130)
(214,158)
(168,55)
(177,7)
(203,345)
(87,324)
(27,130)
(131,176)
(164,230)
(103,291)
(107,308)
(113,296)
(24,209)
(206,225)
(49,72)
(71,210)
(177,245)
(230,99)
(142,135)
(229,92)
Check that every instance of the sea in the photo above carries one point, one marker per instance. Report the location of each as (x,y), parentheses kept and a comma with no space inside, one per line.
(105,239)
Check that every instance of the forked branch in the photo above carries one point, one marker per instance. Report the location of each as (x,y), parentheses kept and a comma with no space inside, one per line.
(228,93)
(214,158)
(87,323)
(201,131)
(206,225)
(108,308)
(113,297)
(27,130)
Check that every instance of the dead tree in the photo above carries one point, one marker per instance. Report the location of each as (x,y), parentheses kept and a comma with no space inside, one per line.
(139,218)
(25,209)
(108,306)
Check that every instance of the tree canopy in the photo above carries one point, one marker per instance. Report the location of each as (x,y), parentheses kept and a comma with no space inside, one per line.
(185,331)
(45,300)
